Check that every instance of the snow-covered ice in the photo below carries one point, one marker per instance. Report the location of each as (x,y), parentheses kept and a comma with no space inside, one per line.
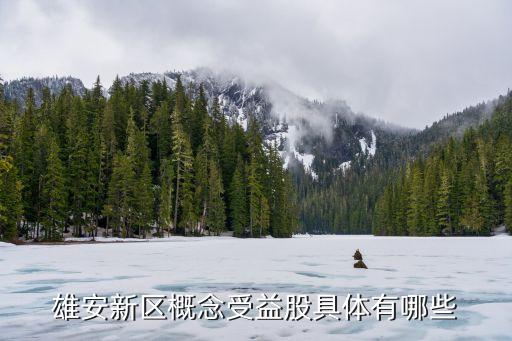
(478,271)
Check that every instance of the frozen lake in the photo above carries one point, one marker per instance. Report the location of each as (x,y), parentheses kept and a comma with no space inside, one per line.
(478,271)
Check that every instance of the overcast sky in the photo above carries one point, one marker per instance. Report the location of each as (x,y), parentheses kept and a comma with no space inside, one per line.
(407,62)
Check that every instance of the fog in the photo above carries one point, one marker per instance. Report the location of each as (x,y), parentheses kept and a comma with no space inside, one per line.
(406,62)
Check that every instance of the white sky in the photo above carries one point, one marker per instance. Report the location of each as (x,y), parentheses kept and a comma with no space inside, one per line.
(408,62)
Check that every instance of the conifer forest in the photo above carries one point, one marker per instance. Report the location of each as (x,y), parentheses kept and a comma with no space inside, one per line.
(146,161)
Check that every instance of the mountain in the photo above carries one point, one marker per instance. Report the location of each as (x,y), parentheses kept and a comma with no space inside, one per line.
(17,89)
(463,187)
(323,137)
(341,160)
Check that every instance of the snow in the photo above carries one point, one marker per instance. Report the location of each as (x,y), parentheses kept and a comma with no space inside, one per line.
(305,159)
(478,271)
(314,175)
(241,119)
(372,148)
(500,231)
(292,136)
(344,166)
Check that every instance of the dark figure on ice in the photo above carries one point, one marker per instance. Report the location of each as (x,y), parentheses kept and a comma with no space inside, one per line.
(359,258)
(357,255)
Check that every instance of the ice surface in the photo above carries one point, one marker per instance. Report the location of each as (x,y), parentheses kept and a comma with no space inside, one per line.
(478,271)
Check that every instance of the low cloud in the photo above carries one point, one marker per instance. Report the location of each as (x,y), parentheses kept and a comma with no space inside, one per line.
(408,62)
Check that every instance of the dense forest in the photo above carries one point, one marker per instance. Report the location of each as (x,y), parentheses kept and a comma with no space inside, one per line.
(144,160)
(344,200)
(463,186)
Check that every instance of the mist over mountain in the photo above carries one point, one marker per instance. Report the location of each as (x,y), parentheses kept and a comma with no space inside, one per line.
(17,89)
(304,130)
(337,156)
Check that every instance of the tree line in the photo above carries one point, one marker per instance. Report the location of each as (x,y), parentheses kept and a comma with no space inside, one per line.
(463,187)
(144,160)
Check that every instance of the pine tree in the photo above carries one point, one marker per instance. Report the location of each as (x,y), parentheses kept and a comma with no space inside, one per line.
(415,215)
(258,203)
(277,194)
(472,219)
(289,198)
(119,207)
(443,216)
(95,174)
(58,117)
(228,155)
(44,140)
(508,205)
(202,187)
(119,110)
(430,191)
(24,157)
(238,200)
(53,194)
(183,165)
(78,168)
(216,216)
(138,155)
(78,158)
(108,143)
(502,171)
(165,204)
(7,127)
(161,128)
(199,115)
(10,200)
(219,124)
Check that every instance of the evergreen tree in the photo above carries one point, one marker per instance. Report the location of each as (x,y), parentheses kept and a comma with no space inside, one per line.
(508,205)
(216,216)
(161,128)
(53,194)
(75,160)
(199,115)
(183,164)
(290,207)
(415,215)
(202,187)
(119,207)
(258,203)
(443,216)
(108,143)
(24,157)
(78,168)
(138,155)
(228,155)
(165,203)
(219,124)
(238,201)
(10,200)
(120,112)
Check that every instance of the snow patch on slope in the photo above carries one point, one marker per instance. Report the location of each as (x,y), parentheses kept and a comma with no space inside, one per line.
(304,158)
(345,166)
(372,148)
(291,136)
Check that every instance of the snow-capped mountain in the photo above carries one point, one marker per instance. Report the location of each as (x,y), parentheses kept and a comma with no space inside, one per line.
(17,89)
(237,99)
(320,136)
